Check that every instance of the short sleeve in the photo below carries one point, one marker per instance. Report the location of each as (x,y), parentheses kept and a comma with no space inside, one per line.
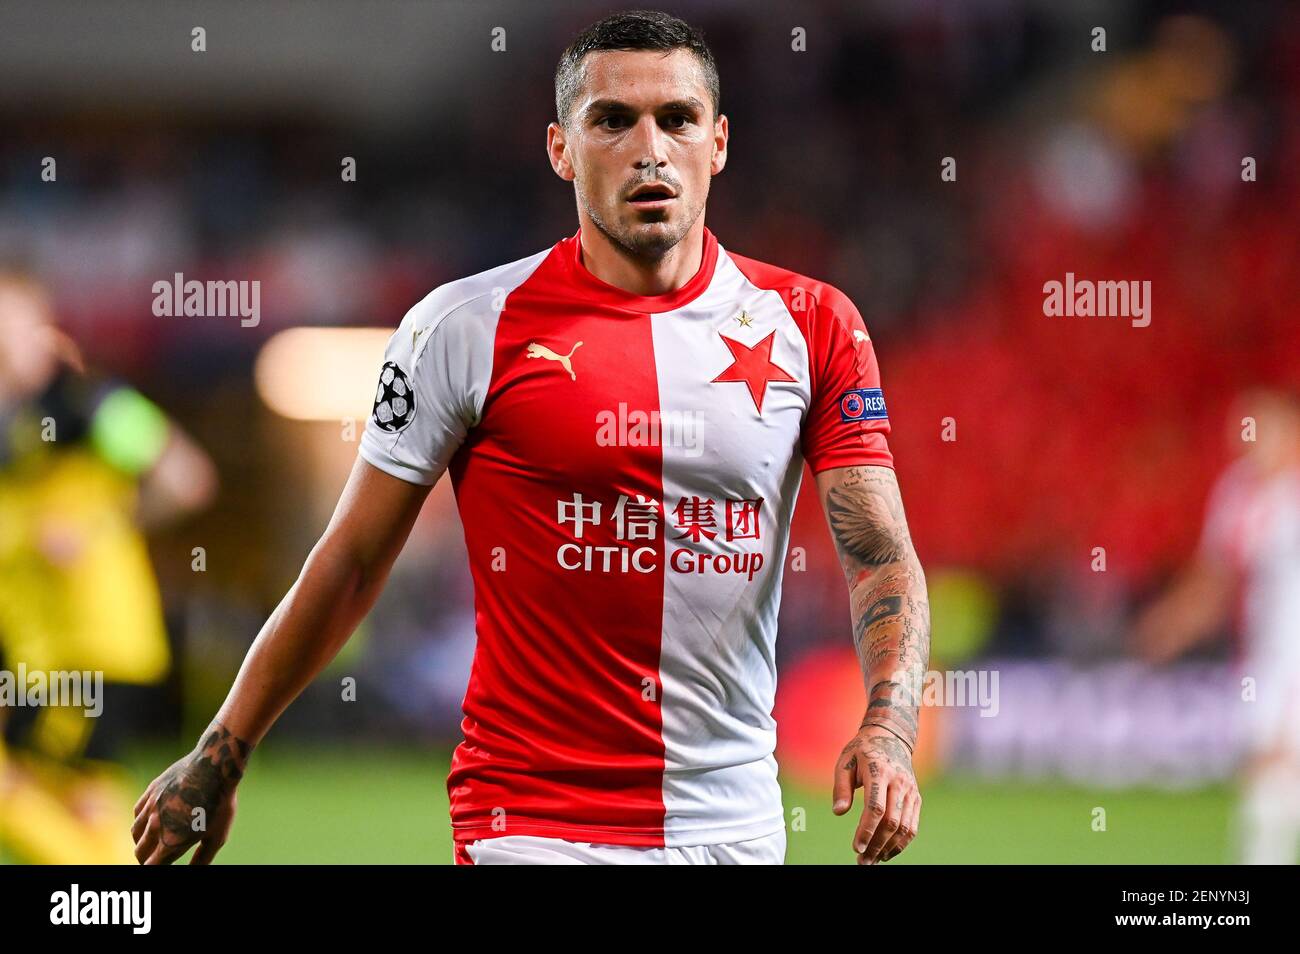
(425,395)
(847,423)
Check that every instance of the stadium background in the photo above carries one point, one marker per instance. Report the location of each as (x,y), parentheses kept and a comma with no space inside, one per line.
(1070,434)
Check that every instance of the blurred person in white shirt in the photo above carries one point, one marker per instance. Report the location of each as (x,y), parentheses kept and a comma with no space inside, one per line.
(1247,565)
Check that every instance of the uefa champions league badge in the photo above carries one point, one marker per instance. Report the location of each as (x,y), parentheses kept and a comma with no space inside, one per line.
(862,404)
(394,401)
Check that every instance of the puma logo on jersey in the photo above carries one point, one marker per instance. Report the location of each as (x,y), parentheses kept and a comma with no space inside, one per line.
(536,350)
(860,335)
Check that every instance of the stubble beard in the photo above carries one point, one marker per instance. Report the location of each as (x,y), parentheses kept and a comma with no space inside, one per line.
(648,245)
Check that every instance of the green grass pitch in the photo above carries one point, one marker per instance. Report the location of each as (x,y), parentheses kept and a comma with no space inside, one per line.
(340,805)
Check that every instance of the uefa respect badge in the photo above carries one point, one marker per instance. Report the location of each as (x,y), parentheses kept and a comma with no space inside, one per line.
(862,404)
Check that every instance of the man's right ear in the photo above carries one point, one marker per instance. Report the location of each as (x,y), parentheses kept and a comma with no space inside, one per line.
(557,153)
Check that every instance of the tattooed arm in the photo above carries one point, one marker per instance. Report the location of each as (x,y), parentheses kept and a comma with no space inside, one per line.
(891,632)
(194,800)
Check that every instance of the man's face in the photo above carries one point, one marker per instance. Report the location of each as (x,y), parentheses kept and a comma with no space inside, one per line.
(642,118)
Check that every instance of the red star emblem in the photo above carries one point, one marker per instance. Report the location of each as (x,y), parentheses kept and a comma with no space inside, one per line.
(753,366)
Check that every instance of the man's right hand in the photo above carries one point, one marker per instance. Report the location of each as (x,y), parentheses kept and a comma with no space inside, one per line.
(192,802)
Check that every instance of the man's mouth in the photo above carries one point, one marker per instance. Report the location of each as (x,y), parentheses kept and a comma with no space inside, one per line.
(650,196)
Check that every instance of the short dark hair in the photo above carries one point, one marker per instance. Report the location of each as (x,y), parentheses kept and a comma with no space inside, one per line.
(632,30)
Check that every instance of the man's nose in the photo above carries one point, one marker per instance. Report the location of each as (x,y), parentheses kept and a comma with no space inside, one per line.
(651,140)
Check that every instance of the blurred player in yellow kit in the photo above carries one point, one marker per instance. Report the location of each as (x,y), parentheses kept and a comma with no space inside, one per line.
(1249,559)
(86,464)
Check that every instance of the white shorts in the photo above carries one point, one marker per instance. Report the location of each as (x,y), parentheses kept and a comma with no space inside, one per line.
(535,850)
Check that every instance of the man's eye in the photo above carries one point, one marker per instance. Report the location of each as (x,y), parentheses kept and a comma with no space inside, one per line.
(611,119)
(678,125)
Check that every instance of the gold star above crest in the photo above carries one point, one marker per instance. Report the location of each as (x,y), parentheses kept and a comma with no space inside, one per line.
(744,319)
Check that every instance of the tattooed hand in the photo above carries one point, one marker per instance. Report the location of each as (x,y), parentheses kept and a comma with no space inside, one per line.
(193,801)
(877,761)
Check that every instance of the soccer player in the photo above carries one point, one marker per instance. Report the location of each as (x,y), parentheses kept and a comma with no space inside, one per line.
(1248,561)
(625,418)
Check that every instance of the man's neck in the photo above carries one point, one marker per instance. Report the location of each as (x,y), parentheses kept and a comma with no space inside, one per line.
(614,266)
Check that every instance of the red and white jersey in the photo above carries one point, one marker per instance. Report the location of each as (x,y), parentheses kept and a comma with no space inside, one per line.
(626,468)
(1253,526)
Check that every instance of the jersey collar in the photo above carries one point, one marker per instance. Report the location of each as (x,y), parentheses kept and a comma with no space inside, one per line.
(602,292)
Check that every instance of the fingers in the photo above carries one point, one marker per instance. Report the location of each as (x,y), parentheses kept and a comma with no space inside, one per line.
(141,822)
(150,846)
(207,850)
(846,780)
(873,809)
(145,798)
(889,822)
(165,854)
(906,829)
(147,840)
(914,823)
(886,821)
